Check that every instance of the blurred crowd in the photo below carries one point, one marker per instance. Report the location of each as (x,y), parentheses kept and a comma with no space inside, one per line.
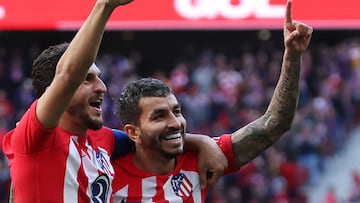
(220,91)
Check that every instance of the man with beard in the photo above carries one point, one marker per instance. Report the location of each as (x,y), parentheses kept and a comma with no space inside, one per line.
(159,170)
(60,151)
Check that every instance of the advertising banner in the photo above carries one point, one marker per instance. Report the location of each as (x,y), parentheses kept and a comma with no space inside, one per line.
(180,14)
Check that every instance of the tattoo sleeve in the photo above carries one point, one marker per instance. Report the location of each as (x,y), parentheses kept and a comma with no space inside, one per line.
(254,138)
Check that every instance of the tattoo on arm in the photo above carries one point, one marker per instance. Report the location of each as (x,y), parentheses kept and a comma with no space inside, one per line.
(256,137)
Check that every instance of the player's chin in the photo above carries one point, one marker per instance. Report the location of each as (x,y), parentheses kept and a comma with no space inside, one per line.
(174,153)
(95,124)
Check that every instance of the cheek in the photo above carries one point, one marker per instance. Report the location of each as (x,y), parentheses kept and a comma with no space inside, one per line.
(183,121)
(78,99)
(153,130)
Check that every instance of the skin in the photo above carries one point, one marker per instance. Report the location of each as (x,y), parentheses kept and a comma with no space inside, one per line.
(254,138)
(160,137)
(73,99)
(76,82)
(68,85)
(161,116)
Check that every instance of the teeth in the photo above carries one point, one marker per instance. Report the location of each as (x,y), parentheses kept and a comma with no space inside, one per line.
(96,103)
(173,136)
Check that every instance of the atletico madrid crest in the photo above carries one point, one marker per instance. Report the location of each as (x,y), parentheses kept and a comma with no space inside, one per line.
(181,185)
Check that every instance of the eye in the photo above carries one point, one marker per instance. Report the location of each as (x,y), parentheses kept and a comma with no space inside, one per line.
(88,78)
(92,76)
(158,116)
(177,111)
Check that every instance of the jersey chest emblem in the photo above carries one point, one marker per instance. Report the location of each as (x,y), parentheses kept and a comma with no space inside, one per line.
(181,185)
(103,163)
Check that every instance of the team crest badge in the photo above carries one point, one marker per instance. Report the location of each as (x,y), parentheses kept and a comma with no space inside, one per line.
(181,185)
(101,159)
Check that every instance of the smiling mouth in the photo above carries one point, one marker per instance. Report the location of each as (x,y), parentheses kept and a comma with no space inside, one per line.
(172,137)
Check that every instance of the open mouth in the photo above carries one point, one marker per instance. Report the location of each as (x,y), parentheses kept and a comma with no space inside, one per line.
(96,103)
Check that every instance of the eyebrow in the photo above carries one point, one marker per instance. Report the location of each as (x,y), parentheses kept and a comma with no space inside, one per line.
(160,110)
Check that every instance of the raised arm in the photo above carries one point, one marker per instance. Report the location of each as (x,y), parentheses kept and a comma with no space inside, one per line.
(74,64)
(256,137)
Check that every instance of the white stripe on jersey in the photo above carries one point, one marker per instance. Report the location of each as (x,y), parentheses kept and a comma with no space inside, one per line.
(148,183)
(92,167)
(90,171)
(187,187)
(73,164)
(120,194)
(195,180)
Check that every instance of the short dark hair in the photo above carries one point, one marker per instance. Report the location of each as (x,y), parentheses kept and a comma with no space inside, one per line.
(44,67)
(128,103)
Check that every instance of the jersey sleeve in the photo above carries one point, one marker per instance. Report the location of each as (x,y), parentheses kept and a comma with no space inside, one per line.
(225,144)
(29,136)
(122,145)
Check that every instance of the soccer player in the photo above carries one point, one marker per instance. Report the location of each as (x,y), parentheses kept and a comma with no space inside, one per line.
(60,151)
(159,170)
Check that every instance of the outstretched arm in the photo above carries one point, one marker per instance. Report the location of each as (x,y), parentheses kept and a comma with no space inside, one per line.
(75,63)
(256,137)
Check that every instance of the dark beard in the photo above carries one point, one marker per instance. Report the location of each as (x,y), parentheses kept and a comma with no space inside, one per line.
(93,124)
(172,156)
(86,119)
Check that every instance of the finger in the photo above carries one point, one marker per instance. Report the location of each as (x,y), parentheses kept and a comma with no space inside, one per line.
(292,36)
(303,29)
(288,14)
(203,178)
(213,177)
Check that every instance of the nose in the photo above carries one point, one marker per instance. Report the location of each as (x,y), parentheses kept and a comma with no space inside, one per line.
(100,86)
(175,122)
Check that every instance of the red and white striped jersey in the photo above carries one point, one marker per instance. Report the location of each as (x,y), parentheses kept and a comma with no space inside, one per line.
(58,166)
(182,185)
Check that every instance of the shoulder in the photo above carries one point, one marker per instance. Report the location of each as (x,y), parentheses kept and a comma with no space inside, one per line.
(106,130)
(103,137)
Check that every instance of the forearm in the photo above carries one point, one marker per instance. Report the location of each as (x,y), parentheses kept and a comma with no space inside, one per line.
(84,47)
(73,66)
(254,138)
(212,161)
(193,142)
(283,104)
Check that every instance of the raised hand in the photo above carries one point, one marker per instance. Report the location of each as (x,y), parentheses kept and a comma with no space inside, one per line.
(297,35)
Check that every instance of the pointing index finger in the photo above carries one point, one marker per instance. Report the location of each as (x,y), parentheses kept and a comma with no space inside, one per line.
(288,15)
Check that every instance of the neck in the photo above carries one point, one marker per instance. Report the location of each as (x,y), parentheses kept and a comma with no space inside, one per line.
(153,162)
(70,124)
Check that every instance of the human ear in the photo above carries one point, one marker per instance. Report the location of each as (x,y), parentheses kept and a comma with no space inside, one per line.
(133,133)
